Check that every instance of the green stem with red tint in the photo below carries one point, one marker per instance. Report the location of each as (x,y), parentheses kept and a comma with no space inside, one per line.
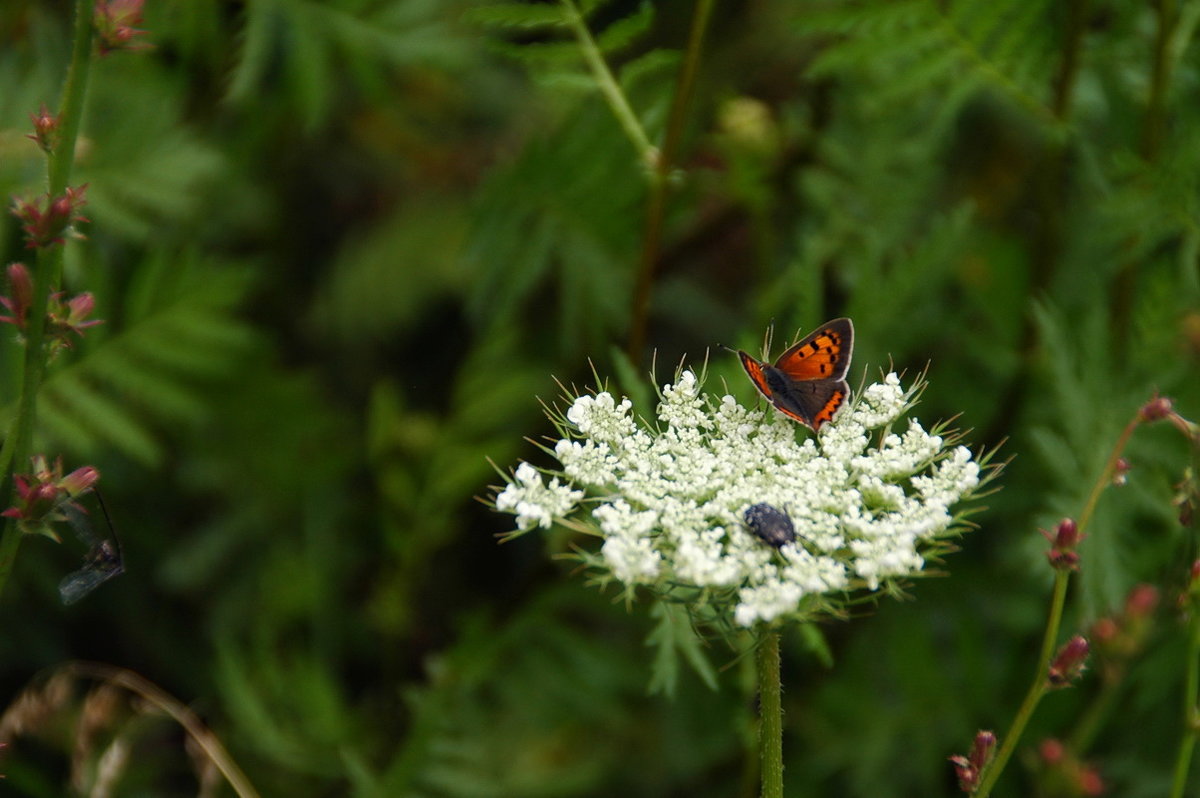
(47,272)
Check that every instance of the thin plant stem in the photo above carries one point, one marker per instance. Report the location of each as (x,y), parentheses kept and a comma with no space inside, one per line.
(174,709)
(770,710)
(1106,476)
(660,184)
(1191,718)
(1125,292)
(1062,579)
(1036,689)
(48,269)
(608,84)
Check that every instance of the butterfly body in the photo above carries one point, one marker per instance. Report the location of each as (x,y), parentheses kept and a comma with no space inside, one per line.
(808,381)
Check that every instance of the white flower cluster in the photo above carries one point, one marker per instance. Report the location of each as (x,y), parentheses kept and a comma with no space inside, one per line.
(670,502)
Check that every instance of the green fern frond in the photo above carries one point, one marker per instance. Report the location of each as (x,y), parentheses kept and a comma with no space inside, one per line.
(626,31)
(307,54)
(554,21)
(914,46)
(647,66)
(560,54)
(129,390)
(519,15)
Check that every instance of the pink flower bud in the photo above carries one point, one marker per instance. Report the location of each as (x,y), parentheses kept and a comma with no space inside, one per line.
(1089,782)
(1120,472)
(47,220)
(1051,751)
(1157,408)
(1069,663)
(80,480)
(1105,631)
(17,305)
(968,768)
(114,22)
(1141,601)
(40,493)
(45,129)
(1066,538)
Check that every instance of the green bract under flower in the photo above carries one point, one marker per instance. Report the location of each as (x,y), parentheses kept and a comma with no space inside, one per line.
(867,506)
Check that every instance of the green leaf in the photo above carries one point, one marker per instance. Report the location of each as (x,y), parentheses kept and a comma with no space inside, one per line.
(674,637)
(625,31)
(131,389)
(519,15)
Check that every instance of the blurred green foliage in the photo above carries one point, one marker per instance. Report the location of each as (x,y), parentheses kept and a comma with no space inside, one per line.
(342,247)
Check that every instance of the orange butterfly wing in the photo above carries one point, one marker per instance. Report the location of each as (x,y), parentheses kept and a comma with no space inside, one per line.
(807,383)
(823,355)
(754,370)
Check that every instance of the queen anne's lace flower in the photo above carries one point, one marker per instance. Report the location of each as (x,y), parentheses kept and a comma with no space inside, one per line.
(535,503)
(867,507)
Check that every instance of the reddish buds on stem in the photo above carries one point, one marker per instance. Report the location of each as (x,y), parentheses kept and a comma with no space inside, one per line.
(1067,774)
(1065,537)
(45,129)
(47,220)
(114,23)
(42,492)
(968,768)
(1068,663)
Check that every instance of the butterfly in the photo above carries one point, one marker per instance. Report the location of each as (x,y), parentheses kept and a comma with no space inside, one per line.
(808,381)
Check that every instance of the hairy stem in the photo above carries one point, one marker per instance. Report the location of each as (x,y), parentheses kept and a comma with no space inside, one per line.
(770,709)
(48,269)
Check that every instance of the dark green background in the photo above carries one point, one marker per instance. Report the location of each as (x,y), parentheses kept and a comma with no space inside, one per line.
(342,248)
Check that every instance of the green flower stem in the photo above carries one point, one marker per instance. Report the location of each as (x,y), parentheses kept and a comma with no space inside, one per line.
(1036,690)
(1106,476)
(656,205)
(47,272)
(1191,717)
(1062,579)
(770,709)
(74,91)
(608,85)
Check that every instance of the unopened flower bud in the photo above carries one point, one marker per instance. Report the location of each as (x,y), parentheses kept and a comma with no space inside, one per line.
(1066,538)
(80,480)
(1156,409)
(114,23)
(1088,781)
(968,768)
(45,130)
(47,220)
(1069,663)
(21,286)
(1141,601)
(1051,751)
(41,492)
(1120,472)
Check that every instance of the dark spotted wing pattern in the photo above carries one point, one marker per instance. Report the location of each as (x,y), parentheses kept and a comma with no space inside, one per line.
(808,381)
